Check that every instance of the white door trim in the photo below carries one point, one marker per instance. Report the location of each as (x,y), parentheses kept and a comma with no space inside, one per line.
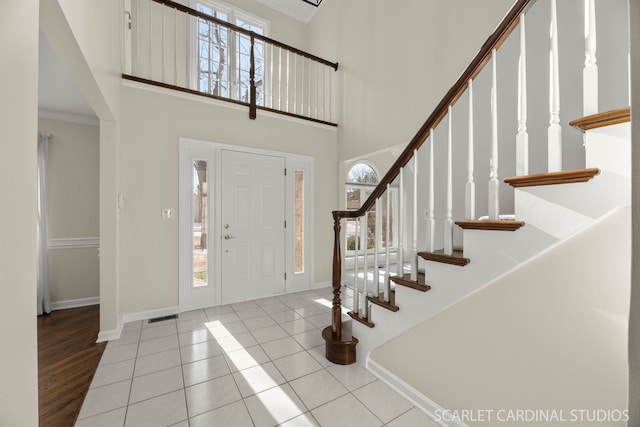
(294,282)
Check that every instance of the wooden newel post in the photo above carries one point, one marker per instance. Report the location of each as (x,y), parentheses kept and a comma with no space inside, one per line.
(252,80)
(340,346)
(336,314)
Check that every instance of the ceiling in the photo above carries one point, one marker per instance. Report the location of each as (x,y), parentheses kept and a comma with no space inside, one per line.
(60,98)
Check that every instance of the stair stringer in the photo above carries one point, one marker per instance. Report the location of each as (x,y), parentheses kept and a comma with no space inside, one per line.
(493,253)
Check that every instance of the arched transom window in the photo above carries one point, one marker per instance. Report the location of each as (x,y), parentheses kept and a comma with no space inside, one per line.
(360,181)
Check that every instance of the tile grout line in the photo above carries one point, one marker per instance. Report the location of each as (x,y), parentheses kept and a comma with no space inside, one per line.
(244,403)
(184,384)
(126,411)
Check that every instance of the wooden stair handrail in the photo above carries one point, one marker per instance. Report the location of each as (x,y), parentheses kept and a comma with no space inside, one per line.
(494,41)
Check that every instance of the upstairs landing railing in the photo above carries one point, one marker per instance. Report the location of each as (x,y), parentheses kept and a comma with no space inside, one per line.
(341,346)
(174,46)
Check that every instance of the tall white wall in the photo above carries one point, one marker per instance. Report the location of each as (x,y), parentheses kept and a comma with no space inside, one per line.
(87,39)
(397,60)
(634,312)
(152,122)
(18,261)
(73,169)
(551,334)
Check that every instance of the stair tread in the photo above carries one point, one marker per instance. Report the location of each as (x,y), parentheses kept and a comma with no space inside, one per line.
(365,321)
(457,258)
(486,224)
(419,285)
(607,118)
(379,300)
(553,178)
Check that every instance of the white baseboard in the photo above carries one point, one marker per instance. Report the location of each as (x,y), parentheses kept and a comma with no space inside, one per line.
(110,335)
(74,303)
(114,334)
(422,402)
(150,314)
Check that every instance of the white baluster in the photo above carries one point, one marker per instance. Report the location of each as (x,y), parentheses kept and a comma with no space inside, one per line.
(287,103)
(309,101)
(356,290)
(162,49)
(330,115)
(522,138)
(317,91)
(150,71)
(431,221)
(448,221)
(376,246)
(387,257)
(271,62)
(470,186)
(190,22)
(175,47)
(324,92)
(555,130)
(494,202)
(400,259)
(414,231)
(364,231)
(304,61)
(590,72)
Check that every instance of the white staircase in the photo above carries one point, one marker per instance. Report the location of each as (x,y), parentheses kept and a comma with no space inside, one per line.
(551,213)
(494,123)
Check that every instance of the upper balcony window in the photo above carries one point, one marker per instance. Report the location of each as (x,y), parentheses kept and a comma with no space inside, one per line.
(222,58)
(208,47)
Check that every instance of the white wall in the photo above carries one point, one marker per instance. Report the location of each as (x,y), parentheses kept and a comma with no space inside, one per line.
(551,334)
(73,192)
(18,262)
(152,121)
(397,61)
(97,30)
(87,39)
(634,312)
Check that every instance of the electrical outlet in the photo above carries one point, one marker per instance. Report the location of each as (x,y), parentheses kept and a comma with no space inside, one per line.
(167,213)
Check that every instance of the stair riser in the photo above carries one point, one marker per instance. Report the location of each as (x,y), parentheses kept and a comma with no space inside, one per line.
(561,210)
(608,149)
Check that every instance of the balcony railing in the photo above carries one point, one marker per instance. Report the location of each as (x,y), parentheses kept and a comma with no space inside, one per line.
(174,46)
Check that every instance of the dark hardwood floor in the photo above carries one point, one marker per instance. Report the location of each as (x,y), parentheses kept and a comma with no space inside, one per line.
(67,359)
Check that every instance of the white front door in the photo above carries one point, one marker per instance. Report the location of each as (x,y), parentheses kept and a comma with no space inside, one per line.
(252,225)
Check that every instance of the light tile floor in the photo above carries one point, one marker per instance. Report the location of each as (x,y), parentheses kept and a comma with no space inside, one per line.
(258,363)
